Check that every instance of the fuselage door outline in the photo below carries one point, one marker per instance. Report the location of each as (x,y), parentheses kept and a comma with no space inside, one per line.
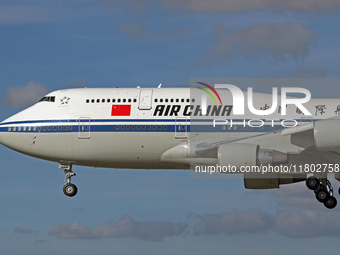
(84,128)
(181,128)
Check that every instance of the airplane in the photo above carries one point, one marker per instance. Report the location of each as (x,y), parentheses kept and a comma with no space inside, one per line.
(168,128)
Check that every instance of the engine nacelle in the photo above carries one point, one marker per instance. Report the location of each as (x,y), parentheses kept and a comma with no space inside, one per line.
(327,134)
(271,181)
(239,155)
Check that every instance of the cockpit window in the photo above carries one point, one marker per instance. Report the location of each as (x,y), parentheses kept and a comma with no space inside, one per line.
(47,99)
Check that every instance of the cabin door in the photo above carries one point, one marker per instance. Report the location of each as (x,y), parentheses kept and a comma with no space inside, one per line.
(181,128)
(145,99)
(84,128)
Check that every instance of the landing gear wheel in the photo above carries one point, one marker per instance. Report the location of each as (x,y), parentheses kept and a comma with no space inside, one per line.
(70,189)
(331,202)
(322,195)
(312,182)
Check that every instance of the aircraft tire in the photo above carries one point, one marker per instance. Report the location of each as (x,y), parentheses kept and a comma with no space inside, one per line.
(322,195)
(331,202)
(312,183)
(70,189)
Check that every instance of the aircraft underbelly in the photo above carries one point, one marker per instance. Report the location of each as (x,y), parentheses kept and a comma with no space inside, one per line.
(102,149)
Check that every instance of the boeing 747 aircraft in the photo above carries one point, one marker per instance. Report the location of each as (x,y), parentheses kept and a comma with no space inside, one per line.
(168,128)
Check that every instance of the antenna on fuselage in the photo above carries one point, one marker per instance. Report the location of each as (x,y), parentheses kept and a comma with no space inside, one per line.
(159,86)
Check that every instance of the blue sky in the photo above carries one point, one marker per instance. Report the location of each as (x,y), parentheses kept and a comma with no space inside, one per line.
(49,45)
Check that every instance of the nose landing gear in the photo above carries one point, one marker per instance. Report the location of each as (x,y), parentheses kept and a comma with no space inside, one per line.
(323,191)
(69,188)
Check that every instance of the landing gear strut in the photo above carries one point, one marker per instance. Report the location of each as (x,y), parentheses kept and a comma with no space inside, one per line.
(323,191)
(69,188)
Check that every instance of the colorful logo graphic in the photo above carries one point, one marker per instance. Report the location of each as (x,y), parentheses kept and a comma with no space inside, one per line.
(209,93)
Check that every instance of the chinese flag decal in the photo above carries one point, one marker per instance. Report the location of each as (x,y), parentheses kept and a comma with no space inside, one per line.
(121,110)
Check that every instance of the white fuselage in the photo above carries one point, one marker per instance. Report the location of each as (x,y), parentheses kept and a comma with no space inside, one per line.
(122,128)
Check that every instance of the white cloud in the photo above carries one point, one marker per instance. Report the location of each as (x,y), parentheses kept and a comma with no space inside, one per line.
(19,230)
(234,222)
(125,227)
(22,96)
(134,30)
(291,223)
(278,41)
(222,6)
(307,223)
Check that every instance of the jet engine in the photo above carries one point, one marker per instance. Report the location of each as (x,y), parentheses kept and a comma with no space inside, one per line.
(271,181)
(239,155)
(326,134)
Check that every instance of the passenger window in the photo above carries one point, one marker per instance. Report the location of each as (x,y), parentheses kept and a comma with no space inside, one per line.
(117,127)
(87,101)
(134,100)
(9,129)
(44,128)
(49,128)
(92,101)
